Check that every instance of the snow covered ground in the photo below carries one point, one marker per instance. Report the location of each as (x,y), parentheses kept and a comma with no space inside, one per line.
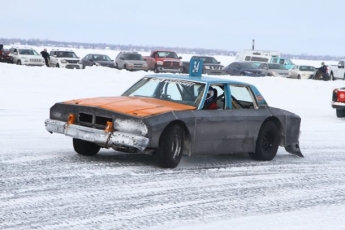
(44,184)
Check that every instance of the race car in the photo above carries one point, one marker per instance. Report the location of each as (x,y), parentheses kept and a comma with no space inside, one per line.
(170,115)
(338,101)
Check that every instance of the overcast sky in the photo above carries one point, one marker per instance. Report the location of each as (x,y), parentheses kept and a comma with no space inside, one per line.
(291,26)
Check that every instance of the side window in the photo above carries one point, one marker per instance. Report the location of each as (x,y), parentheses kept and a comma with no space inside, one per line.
(242,97)
(275,60)
(52,53)
(247,58)
(282,61)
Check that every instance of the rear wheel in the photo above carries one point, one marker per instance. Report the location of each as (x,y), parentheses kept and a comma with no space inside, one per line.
(299,76)
(170,148)
(340,112)
(85,148)
(267,143)
(57,65)
(19,62)
(156,69)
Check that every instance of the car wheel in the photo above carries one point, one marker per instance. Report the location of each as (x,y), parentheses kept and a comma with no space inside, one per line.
(242,74)
(116,66)
(299,76)
(156,69)
(125,67)
(184,70)
(267,143)
(340,112)
(83,66)
(57,65)
(170,148)
(332,76)
(85,148)
(19,62)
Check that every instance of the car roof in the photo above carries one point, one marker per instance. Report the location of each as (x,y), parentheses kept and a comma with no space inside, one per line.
(202,79)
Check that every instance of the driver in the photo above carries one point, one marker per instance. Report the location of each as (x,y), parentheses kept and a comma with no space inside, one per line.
(210,101)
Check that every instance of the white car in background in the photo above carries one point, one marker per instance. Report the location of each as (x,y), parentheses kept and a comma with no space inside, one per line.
(26,56)
(302,71)
(64,59)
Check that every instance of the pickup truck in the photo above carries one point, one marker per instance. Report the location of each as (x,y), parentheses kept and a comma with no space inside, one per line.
(337,71)
(162,61)
(210,65)
(338,101)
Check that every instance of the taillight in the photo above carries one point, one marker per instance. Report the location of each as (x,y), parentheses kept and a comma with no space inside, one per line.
(341,96)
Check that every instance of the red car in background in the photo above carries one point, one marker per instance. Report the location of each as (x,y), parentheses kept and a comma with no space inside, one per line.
(338,101)
(4,57)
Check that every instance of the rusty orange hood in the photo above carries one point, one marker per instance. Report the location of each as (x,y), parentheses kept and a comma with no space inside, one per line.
(135,106)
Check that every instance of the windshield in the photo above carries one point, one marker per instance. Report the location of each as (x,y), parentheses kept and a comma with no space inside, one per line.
(27,52)
(65,54)
(101,57)
(276,66)
(174,90)
(133,57)
(207,59)
(306,68)
(167,54)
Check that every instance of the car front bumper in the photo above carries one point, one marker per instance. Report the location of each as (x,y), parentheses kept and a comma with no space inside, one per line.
(70,65)
(100,137)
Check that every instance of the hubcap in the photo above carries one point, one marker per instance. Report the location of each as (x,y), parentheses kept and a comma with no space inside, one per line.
(267,141)
(176,146)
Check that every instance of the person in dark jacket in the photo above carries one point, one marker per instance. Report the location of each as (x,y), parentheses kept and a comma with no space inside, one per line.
(322,72)
(46,56)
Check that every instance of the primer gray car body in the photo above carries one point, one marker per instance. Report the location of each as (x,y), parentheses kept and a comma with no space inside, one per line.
(233,127)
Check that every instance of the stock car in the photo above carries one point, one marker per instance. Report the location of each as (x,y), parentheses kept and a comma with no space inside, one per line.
(168,115)
(338,101)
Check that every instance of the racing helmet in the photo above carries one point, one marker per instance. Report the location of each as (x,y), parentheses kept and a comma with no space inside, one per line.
(211,94)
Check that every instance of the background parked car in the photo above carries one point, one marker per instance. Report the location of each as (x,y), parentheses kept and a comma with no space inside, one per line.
(4,57)
(245,68)
(275,69)
(26,56)
(97,60)
(64,59)
(302,71)
(130,61)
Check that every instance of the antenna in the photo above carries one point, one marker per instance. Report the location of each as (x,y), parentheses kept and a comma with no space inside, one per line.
(253,44)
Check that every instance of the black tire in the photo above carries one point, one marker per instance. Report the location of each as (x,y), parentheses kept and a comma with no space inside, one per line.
(19,62)
(85,148)
(170,148)
(340,113)
(83,66)
(299,76)
(125,67)
(267,143)
(332,76)
(155,69)
(184,70)
(57,65)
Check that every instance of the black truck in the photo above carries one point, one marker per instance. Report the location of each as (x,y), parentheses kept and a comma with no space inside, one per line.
(211,66)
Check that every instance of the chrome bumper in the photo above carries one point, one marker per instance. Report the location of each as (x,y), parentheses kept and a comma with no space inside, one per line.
(101,137)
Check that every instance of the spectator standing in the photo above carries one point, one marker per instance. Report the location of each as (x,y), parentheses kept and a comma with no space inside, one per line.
(46,56)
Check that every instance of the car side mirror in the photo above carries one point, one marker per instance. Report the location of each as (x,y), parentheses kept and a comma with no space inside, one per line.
(121,58)
(179,57)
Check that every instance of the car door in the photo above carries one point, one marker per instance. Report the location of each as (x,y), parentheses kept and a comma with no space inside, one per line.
(232,129)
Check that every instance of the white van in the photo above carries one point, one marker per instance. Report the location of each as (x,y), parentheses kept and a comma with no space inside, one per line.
(256,55)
